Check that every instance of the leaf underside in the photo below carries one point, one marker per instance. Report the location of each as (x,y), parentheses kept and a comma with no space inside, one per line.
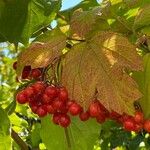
(99,65)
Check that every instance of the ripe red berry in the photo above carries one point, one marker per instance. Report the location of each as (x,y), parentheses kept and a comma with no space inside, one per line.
(36,73)
(147,125)
(21,98)
(57,104)
(51,91)
(41,111)
(26,72)
(100,118)
(39,87)
(29,91)
(94,109)
(46,99)
(139,117)
(63,94)
(64,120)
(138,127)
(56,118)
(75,109)
(34,108)
(15,65)
(84,116)
(69,103)
(50,109)
(114,115)
(129,125)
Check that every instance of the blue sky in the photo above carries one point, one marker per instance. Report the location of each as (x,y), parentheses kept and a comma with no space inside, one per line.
(69,3)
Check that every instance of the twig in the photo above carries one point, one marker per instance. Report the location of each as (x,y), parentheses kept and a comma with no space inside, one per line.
(23,145)
(67,139)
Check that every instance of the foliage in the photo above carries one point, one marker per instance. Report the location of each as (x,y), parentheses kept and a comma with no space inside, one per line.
(98,50)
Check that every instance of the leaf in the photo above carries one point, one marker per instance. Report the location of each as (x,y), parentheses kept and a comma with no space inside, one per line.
(143,80)
(12,19)
(84,135)
(81,135)
(142,20)
(52,135)
(82,22)
(43,53)
(40,14)
(19,19)
(5,140)
(99,65)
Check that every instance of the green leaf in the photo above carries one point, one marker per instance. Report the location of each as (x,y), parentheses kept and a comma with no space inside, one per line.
(19,19)
(84,135)
(12,19)
(11,107)
(5,140)
(40,14)
(142,20)
(53,136)
(35,138)
(143,80)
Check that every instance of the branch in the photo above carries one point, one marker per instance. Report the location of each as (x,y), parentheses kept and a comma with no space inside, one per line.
(23,145)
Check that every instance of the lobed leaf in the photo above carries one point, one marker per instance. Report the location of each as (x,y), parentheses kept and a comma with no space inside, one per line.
(98,65)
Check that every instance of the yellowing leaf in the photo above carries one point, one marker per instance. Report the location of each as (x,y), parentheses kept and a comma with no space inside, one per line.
(82,22)
(43,53)
(99,65)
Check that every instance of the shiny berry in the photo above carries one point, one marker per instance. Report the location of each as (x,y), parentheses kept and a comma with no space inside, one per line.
(84,116)
(21,98)
(94,109)
(64,120)
(147,125)
(139,117)
(51,91)
(63,94)
(75,109)
(36,73)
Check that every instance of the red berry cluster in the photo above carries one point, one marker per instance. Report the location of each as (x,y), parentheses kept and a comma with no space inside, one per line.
(29,73)
(46,99)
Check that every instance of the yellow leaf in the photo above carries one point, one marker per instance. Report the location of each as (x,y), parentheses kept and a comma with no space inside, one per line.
(99,65)
(40,54)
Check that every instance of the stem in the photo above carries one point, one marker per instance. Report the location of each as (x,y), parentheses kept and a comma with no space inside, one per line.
(67,138)
(23,145)
(80,40)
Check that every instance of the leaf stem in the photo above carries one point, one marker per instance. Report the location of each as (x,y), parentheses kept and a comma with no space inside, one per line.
(23,145)
(67,138)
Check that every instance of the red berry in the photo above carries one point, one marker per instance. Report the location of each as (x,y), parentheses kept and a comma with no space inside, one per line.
(26,72)
(41,111)
(100,118)
(15,65)
(29,91)
(36,73)
(69,103)
(63,94)
(139,117)
(50,109)
(64,120)
(84,116)
(57,104)
(34,108)
(21,98)
(114,115)
(56,118)
(147,125)
(51,91)
(129,125)
(46,99)
(94,109)
(75,109)
(138,127)
(39,87)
